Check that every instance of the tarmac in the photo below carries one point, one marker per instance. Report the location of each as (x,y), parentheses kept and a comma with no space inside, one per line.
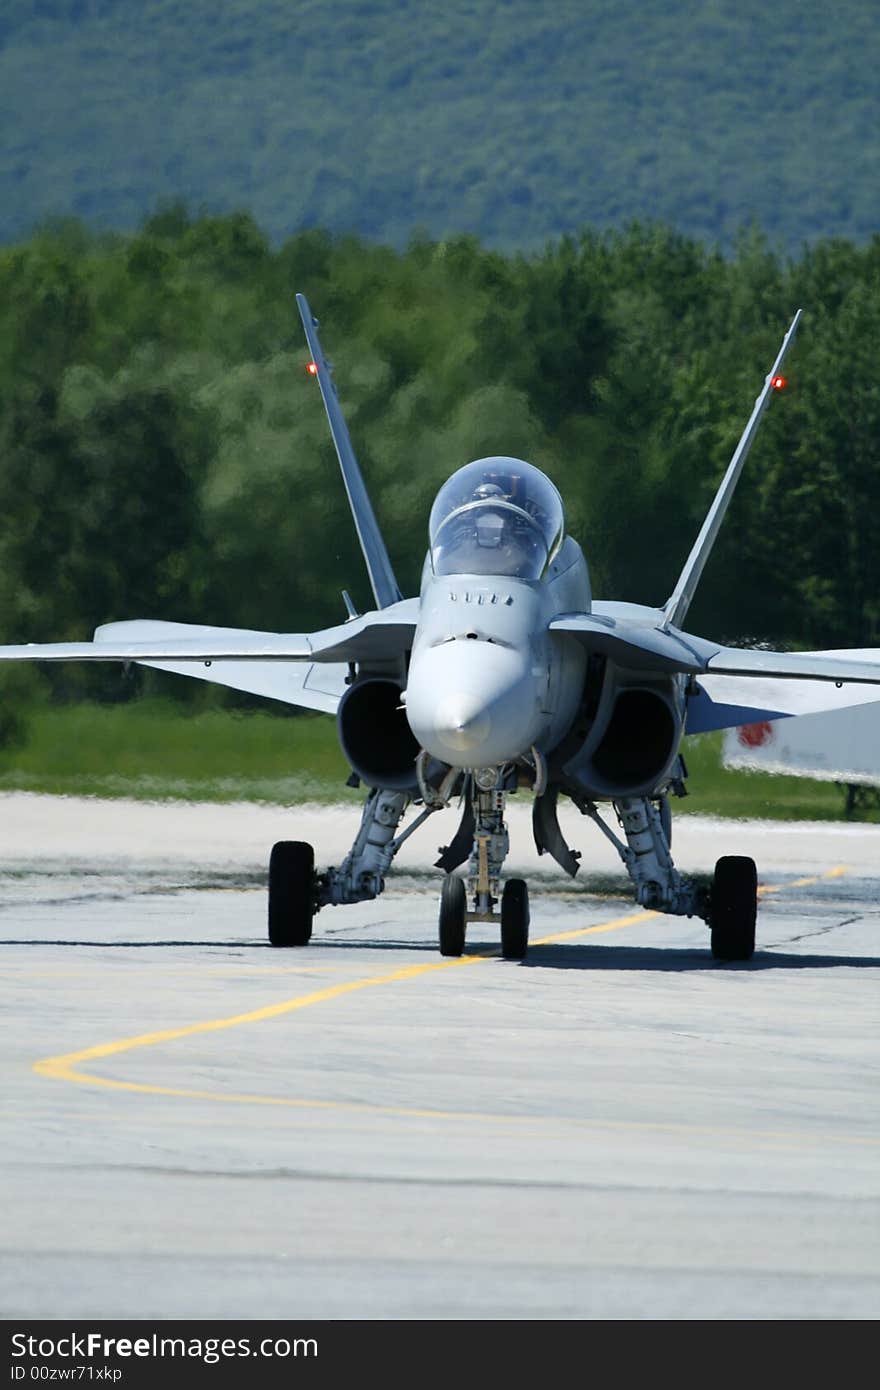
(196,1125)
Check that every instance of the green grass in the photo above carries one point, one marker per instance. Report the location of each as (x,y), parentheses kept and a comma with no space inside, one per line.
(715,791)
(156,750)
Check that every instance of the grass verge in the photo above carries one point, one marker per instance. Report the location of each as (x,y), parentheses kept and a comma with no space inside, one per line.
(157,750)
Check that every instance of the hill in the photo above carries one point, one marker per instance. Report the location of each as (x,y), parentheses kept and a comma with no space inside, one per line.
(502,118)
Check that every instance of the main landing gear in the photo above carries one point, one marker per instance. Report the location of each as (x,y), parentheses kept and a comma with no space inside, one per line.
(291,893)
(296,892)
(733,907)
(729,906)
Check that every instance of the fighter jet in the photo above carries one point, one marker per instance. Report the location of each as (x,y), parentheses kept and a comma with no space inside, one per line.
(504,676)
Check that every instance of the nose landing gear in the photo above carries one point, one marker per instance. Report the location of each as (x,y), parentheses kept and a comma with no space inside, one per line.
(491,843)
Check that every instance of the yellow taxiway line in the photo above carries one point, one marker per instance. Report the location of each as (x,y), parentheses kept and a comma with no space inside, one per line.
(67,1067)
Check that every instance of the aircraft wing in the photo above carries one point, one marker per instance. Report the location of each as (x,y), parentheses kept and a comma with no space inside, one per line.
(375,636)
(305,669)
(861,664)
(310,685)
(744,686)
(734,685)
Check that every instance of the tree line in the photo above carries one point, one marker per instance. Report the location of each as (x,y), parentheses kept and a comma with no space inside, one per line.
(164,452)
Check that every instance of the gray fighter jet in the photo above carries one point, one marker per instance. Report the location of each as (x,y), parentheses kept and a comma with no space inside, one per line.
(504,675)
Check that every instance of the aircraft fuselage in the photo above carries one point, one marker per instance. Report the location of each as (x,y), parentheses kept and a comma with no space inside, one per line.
(487,680)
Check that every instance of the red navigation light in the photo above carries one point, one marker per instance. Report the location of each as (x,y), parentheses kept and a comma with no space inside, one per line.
(779,383)
(312,369)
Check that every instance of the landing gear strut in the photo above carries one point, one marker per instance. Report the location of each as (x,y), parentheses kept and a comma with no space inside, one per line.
(647,858)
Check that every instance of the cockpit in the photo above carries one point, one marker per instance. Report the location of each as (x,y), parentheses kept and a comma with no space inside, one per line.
(496,516)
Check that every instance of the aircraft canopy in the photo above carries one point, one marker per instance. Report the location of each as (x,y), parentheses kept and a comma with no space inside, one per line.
(496,516)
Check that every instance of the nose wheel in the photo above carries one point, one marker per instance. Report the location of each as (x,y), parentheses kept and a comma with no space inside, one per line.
(453,916)
(515,919)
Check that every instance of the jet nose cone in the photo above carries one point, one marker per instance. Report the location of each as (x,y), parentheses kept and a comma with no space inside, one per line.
(462,723)
(472,704)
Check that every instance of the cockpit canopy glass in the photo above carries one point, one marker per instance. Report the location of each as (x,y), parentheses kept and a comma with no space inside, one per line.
(496,516)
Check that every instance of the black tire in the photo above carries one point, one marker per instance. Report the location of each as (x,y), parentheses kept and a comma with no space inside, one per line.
(515,919)
(734,908)
(291,893)
(453,916)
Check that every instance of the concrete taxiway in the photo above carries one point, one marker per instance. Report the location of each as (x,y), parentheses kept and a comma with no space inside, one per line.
(196,1125)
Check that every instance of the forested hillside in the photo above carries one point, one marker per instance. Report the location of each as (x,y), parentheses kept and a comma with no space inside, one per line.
(513,121)
(164,453)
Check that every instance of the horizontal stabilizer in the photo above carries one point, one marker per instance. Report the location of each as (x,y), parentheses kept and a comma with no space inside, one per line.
(724,701)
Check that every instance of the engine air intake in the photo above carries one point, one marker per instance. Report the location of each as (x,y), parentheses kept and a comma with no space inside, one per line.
(638,741)
(375,735)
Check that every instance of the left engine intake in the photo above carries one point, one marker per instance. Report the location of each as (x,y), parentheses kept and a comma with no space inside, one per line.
(375,735)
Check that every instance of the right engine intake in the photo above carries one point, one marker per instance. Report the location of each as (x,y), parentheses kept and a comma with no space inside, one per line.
(633,738)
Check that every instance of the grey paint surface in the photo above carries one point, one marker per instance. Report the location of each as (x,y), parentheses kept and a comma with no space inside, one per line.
(617,1128)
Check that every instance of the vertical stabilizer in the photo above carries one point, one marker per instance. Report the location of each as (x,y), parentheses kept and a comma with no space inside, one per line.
(680,601)
(385,587)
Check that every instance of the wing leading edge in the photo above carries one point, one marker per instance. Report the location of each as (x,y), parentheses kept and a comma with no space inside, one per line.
(644,642)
